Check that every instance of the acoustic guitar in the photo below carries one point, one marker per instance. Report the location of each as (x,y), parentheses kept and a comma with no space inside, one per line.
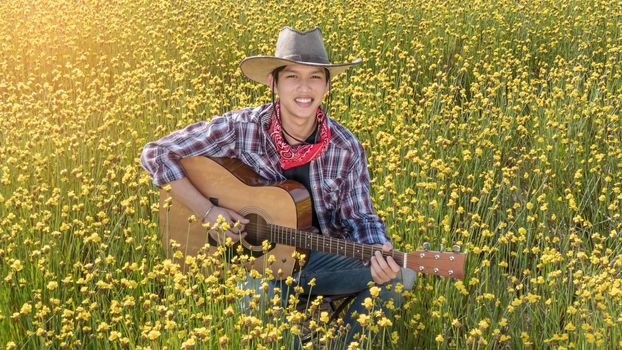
(280,213)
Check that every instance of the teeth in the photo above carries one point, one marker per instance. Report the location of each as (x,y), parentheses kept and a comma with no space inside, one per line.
(303,100)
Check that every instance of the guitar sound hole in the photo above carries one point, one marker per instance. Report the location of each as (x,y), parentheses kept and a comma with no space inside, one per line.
(256,230)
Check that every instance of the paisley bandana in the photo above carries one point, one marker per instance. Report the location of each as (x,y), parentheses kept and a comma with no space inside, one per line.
(292,156)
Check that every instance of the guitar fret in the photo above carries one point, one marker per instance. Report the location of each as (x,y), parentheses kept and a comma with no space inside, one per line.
(317,243)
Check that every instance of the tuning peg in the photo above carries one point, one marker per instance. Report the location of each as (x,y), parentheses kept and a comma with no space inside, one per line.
(456,248)
(426,246)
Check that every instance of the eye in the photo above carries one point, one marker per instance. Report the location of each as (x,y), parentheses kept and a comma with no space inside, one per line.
(290,76)
(317,77)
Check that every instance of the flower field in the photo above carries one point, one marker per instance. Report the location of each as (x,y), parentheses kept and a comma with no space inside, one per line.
(492,124)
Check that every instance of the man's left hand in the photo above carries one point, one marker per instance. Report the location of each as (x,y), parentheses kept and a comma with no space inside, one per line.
(383,270)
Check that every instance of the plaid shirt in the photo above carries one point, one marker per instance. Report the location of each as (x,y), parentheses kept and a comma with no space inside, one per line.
(339,177)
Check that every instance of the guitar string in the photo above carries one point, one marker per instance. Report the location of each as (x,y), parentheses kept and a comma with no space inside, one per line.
(266,231)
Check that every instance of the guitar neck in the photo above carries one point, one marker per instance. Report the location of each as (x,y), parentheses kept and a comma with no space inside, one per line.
(336,246)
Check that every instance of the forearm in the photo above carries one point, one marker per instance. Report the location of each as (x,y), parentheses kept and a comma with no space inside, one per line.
(184,191)
(161,158)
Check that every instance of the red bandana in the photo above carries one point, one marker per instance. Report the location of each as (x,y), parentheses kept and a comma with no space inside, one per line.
(292,156)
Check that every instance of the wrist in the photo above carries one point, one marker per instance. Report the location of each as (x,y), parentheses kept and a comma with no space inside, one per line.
(207,212)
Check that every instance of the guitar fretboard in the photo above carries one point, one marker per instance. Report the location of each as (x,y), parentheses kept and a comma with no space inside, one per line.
(314,241)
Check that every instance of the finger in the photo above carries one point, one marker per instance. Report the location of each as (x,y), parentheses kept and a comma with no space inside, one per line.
(237,228)
(387,246)
(235,236)
(231,221)
(393,265)
(239,217)
(216,236)
(388,265)
(380,274)
(374,275)
(213,235)
(381,261)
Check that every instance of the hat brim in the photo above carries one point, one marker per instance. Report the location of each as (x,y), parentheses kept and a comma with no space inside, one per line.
(258,68)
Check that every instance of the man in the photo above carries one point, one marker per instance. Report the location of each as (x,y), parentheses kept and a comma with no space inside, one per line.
(291,138)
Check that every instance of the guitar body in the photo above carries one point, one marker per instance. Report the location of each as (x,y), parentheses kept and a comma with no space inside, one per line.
(231,184)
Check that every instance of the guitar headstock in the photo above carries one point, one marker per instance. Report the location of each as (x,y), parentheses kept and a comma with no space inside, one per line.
(437,262)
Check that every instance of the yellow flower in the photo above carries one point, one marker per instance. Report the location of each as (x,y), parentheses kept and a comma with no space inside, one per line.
(52,285)
(17,265)
(362,319)
(368,303)
(188,344)
(26,309)
(222,341)
(229,312)
(153,334)
(439,338)
(289,281)
(385,322)
(354,346)
(483,324)
(114,335)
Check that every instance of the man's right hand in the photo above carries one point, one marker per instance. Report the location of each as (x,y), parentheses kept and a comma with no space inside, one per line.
(230,216)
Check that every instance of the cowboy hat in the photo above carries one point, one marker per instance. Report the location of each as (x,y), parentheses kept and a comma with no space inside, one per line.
(293,47)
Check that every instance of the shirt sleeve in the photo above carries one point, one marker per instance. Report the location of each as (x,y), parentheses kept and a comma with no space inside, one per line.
(357,211)
(215,139)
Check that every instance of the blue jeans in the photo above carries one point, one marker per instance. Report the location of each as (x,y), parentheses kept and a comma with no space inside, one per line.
(336,275)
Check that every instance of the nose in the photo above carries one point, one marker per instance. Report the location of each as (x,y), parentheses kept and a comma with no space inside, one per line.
(305,85)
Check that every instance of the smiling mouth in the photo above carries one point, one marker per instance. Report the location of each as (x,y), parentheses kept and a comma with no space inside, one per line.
(303,101)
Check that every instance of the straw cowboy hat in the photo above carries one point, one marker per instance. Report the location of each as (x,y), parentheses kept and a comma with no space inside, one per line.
(293,47)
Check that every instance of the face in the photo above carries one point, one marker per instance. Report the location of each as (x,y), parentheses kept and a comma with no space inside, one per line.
(301,90)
